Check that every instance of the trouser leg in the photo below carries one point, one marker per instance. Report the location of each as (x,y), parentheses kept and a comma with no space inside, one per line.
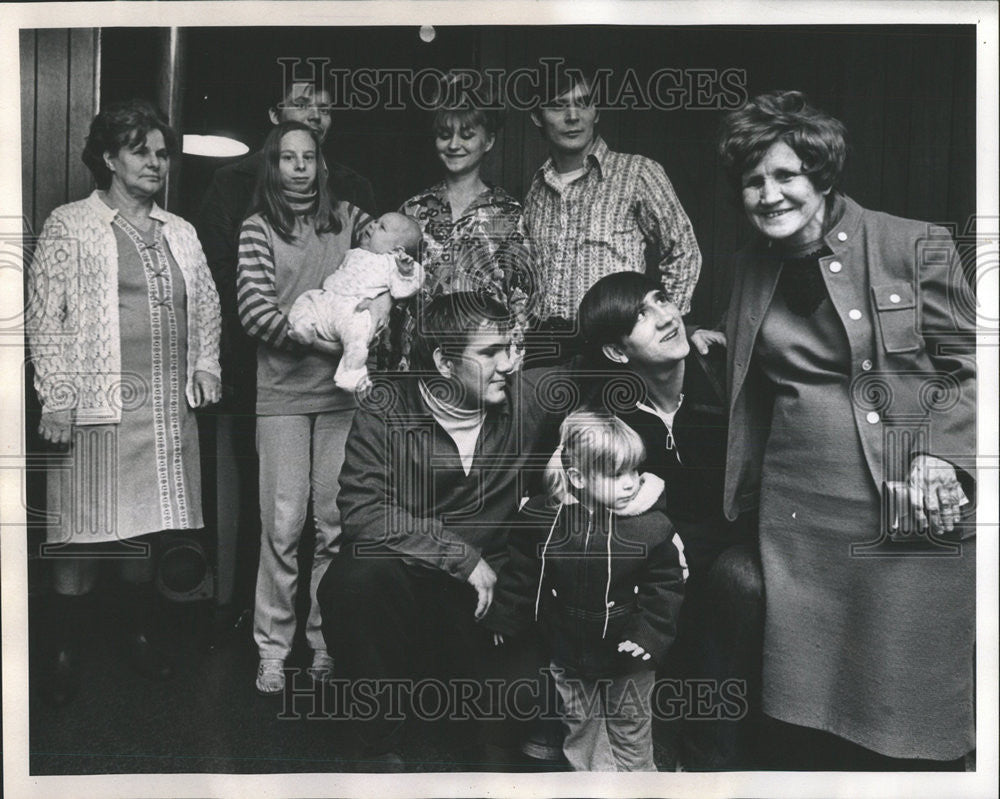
(329,436)
(283,444)
(722,628)
(586,745)
(371,610)
(499,689)
(630,722)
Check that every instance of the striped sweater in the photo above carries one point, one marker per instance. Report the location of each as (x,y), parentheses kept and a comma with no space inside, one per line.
(270,276)
(263,311)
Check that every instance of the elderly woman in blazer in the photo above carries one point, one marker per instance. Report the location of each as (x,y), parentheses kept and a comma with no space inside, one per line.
(852,428)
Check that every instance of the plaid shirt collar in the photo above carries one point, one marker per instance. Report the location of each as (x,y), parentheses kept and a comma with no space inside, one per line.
(595,158)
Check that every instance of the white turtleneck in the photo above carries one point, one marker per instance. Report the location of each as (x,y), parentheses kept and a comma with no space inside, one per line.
(462,425)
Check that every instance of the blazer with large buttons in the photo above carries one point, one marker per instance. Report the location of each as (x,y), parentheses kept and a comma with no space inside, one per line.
(908,313)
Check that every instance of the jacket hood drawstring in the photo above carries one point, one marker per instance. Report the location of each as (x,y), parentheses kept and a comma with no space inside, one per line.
(649,492)
(541,575)
(607,585)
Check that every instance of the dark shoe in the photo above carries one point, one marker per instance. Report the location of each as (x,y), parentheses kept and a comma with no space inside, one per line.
(146,658)
(66,630)
(62,680)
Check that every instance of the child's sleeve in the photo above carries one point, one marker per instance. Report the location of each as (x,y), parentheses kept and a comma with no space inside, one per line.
(513,608)
(661,591)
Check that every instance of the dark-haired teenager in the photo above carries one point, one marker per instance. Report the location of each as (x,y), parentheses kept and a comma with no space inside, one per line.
(639,365)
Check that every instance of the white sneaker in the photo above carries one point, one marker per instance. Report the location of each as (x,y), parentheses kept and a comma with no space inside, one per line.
(271,676)
(321,669)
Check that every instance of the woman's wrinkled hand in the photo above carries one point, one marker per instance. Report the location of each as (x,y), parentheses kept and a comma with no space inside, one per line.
(207,389)
(56,427)
(931,498)
(702,339)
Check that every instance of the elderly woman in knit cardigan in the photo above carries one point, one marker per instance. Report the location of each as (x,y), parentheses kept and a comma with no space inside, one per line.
(123,326)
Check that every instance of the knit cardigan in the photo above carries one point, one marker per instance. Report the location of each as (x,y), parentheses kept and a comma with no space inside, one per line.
(71,317)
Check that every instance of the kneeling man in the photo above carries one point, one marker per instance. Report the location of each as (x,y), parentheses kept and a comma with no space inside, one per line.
(436,465)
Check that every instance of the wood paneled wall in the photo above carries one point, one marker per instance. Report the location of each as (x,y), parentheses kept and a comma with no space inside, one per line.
(59,97)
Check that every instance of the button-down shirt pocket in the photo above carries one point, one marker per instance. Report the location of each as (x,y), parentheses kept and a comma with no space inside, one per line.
(621,238)
(897,317)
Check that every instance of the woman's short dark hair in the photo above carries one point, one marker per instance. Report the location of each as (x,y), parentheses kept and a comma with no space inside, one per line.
(609,309)
(448,321)
(269,198)
(817,138)
(463,102)
(122,124)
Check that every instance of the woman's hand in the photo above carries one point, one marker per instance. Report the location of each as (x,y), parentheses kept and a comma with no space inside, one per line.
(702,339)
(207,389)
(56,427)
(932,496)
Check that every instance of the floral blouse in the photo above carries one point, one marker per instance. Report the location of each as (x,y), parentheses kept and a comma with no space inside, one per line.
(484,249)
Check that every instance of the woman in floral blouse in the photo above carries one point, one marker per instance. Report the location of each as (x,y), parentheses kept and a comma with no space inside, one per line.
(473,233)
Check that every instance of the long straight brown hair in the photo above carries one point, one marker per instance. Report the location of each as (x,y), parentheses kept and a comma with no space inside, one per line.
(269,198)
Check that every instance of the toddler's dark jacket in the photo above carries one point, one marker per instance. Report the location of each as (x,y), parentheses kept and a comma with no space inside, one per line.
(593,578)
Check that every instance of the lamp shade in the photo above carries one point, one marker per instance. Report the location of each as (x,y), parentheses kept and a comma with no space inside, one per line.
(213,146)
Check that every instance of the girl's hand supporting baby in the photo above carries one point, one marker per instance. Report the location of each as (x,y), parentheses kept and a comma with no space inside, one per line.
(635,649)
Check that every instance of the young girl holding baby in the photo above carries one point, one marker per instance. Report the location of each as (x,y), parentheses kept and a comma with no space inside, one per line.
(596,564)
(296,237)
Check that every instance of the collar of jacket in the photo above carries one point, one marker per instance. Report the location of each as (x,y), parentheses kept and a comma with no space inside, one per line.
(106,213)
(761,279)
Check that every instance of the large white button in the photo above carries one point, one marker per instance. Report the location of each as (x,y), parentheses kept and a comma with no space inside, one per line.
(872,417)
(611,604)
(836,266)
(842,236)
(866,365)
(854,313)
(894,298)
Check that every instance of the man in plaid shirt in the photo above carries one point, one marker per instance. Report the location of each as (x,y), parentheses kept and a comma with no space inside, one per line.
(591,211)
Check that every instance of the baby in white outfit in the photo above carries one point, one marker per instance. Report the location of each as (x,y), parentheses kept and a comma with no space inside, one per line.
(381,264)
